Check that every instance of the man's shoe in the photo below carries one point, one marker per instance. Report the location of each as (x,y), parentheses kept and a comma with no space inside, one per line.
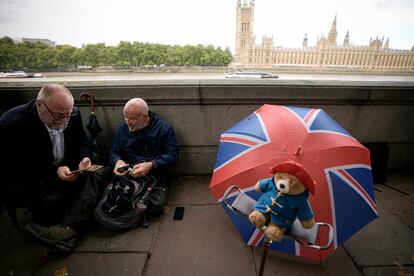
(61,237)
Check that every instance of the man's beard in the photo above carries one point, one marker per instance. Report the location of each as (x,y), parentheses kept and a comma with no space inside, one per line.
(59,127)
(137,127)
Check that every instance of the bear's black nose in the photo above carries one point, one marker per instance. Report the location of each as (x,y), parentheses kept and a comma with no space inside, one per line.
(282,186)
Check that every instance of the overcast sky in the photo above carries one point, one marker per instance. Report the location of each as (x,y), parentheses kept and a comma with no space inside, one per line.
(205,22)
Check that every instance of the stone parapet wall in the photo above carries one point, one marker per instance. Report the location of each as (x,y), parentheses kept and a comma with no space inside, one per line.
(200,110)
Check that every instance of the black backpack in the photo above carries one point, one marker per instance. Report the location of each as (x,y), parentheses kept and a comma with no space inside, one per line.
(124,202)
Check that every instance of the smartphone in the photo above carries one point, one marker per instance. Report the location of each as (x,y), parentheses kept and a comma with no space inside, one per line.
(78,172)
(178,213)
(122,169)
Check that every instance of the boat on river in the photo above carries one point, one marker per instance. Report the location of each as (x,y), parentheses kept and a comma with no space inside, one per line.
(20,74)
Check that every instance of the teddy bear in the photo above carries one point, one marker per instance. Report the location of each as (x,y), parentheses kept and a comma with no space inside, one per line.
(285,198)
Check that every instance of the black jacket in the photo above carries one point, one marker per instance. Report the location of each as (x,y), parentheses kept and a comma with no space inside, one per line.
(26,148)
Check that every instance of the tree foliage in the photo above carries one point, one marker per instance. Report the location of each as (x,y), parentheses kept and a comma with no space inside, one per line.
(124,55)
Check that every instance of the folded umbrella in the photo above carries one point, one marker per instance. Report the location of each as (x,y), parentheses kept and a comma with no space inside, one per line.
(93,126)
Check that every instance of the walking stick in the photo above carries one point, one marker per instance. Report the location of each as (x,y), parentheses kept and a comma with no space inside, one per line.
(266,245)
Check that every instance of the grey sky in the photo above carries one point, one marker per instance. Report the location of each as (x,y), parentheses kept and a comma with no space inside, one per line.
(205,21)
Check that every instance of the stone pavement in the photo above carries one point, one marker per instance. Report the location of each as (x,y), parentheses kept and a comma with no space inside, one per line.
(206,243)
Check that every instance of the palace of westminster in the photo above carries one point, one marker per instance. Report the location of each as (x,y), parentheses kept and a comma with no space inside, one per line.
(326,55)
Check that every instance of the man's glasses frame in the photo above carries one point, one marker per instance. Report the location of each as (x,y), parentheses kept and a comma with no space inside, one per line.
(58,115)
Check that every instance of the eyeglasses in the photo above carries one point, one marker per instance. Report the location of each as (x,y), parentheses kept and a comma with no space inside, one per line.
(58,115)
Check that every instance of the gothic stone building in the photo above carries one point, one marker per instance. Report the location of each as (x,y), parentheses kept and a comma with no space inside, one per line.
(326,55)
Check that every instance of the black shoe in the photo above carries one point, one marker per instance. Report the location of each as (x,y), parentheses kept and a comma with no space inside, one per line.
(60,237)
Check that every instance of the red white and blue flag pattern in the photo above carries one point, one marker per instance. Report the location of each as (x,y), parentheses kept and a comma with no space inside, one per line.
(338,163)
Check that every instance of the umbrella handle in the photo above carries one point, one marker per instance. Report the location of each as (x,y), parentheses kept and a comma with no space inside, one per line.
(310,244)
(330,237)
(228,191)
(242,212)
(87,95)
(266,245)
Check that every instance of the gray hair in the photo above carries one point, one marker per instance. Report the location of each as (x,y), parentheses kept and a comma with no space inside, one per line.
(47,91)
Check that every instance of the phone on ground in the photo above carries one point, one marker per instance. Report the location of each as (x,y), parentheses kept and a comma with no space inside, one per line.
(178,213)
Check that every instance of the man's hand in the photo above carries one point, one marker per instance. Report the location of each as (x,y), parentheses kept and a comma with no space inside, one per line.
(85,163)
(141,169)
(65,174)
(119,164)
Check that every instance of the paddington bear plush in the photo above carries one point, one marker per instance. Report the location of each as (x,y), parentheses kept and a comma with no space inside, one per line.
(285,198)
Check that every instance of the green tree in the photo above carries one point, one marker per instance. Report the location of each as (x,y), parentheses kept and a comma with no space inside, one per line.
(124,55)
(46,58)
(65,55)
(93,54)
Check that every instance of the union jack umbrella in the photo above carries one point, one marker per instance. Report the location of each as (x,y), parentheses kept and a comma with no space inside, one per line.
(339,164)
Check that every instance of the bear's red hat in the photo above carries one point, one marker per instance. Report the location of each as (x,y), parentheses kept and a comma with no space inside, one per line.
(296,169)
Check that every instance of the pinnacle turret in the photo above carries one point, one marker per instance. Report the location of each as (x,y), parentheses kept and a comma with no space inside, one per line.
(387,43)
(305,41)
(346,40)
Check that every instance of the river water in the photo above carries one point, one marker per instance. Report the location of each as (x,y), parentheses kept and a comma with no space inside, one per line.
(80,76)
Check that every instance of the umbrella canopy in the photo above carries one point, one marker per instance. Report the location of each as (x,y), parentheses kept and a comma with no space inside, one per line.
(338,163)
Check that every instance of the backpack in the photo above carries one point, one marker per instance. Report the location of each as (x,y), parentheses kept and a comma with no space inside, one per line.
(124,202)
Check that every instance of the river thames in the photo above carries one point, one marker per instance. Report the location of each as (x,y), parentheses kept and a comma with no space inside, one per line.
(128,76)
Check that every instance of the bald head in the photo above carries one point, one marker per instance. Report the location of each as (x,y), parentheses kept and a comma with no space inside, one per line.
(55,92)
(136,114)
(137,105)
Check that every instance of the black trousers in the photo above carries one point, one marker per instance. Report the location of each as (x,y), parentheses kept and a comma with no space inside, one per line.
(80,213)
(54,201)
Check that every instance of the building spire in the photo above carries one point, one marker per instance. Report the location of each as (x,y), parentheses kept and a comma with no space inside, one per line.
(387,43)
(332,33)
(334,22)
(346,40)
(305,41)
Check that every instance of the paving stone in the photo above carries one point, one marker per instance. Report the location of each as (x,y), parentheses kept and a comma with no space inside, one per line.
(134,240)
(381,241)
(386,270)
(21,259)
(95,264)
(191,190)
(205,242)
(338,263)
(401,180)
(394,200)
(18,252)
(407,218)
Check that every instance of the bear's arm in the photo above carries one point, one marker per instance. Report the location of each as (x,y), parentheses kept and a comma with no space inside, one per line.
(263,185)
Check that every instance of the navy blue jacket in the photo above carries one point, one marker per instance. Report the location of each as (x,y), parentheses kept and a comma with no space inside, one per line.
(25,143)
(156,143)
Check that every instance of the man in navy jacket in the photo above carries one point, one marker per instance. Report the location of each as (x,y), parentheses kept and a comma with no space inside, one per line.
(147,142)
(42,143)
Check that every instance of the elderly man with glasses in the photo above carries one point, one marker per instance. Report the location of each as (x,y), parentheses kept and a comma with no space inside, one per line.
(43,143)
